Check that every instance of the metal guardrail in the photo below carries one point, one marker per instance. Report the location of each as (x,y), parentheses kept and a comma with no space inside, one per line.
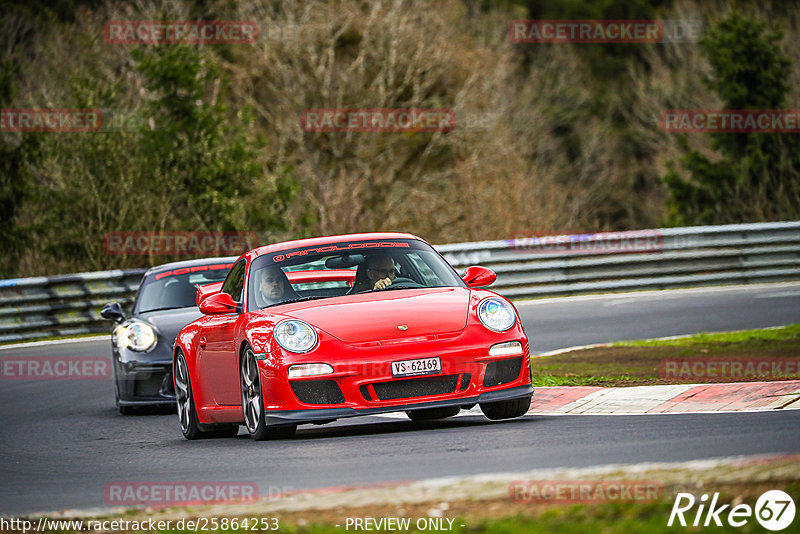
(50,306)
(526,267)
(666,258)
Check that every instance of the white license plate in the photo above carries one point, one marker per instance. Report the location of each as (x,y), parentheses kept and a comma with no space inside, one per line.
(421,366)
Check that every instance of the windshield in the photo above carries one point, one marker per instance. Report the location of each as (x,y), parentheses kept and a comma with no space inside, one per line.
(345,269)
(177,288)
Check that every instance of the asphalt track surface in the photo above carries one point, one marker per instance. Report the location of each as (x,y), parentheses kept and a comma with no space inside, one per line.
(63,441)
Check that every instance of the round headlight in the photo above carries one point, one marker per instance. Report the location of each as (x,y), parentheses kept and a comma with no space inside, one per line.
(295,336)
(136,335)
(496,314)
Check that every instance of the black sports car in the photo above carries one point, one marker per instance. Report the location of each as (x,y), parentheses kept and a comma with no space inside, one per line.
(141,344)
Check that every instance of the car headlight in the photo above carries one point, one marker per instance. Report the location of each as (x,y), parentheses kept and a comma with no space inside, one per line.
(295,336)
(136,335)
(496,314)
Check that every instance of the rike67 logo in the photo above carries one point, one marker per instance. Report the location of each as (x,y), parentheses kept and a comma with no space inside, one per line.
(774,510)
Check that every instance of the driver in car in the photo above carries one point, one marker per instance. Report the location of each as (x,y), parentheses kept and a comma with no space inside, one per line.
(273,286)
(380,271)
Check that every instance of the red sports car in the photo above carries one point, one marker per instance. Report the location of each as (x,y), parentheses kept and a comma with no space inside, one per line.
(314,330)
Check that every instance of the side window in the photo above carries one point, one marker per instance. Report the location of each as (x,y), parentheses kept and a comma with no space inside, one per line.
(234,283)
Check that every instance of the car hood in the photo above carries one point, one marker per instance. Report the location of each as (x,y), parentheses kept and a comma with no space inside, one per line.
(170,322)
(383,314)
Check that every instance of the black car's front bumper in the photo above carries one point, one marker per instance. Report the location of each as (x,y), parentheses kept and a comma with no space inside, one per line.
(296,417)
(143,383)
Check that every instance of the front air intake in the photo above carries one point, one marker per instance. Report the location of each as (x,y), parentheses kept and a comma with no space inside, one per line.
(502,372)
(317,391)
(415,387)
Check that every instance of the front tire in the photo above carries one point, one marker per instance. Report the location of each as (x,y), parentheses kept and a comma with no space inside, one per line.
(187,413)
(431,414)
(253,402)
(506,409)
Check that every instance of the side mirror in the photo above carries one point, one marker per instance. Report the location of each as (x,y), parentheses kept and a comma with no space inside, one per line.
(207,290)
(113,312)
(477,276)
(218,304)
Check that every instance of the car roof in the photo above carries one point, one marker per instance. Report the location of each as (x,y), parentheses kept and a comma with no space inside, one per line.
(318,241)
(190,263)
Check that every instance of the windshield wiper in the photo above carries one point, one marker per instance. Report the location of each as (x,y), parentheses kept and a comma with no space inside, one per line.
(397,287)
(301,299)
(164,308)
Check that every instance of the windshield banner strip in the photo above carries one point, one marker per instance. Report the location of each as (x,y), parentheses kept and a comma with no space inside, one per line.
(196,268)
(338,248)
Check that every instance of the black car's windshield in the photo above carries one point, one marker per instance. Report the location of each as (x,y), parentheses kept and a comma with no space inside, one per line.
(346,268)
(177,288)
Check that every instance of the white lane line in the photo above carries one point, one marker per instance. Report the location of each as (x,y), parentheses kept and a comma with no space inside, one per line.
(570,349)
(667,338)
(661,293)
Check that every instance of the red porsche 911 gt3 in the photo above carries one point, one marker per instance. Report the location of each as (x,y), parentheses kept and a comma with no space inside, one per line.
(313,330)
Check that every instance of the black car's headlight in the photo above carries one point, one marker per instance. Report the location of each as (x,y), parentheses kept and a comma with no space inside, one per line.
(496,314)
(135,335)
(295,336)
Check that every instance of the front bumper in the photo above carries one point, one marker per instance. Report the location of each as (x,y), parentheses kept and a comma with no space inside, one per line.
(143,379)
(362,382)
(327,414)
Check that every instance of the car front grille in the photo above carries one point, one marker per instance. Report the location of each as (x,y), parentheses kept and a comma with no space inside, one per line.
(465,379)
(154,384)
(502,372)
(317,391)
(415,387)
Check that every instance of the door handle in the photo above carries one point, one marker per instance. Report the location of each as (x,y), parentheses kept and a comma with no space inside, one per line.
(202,342)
